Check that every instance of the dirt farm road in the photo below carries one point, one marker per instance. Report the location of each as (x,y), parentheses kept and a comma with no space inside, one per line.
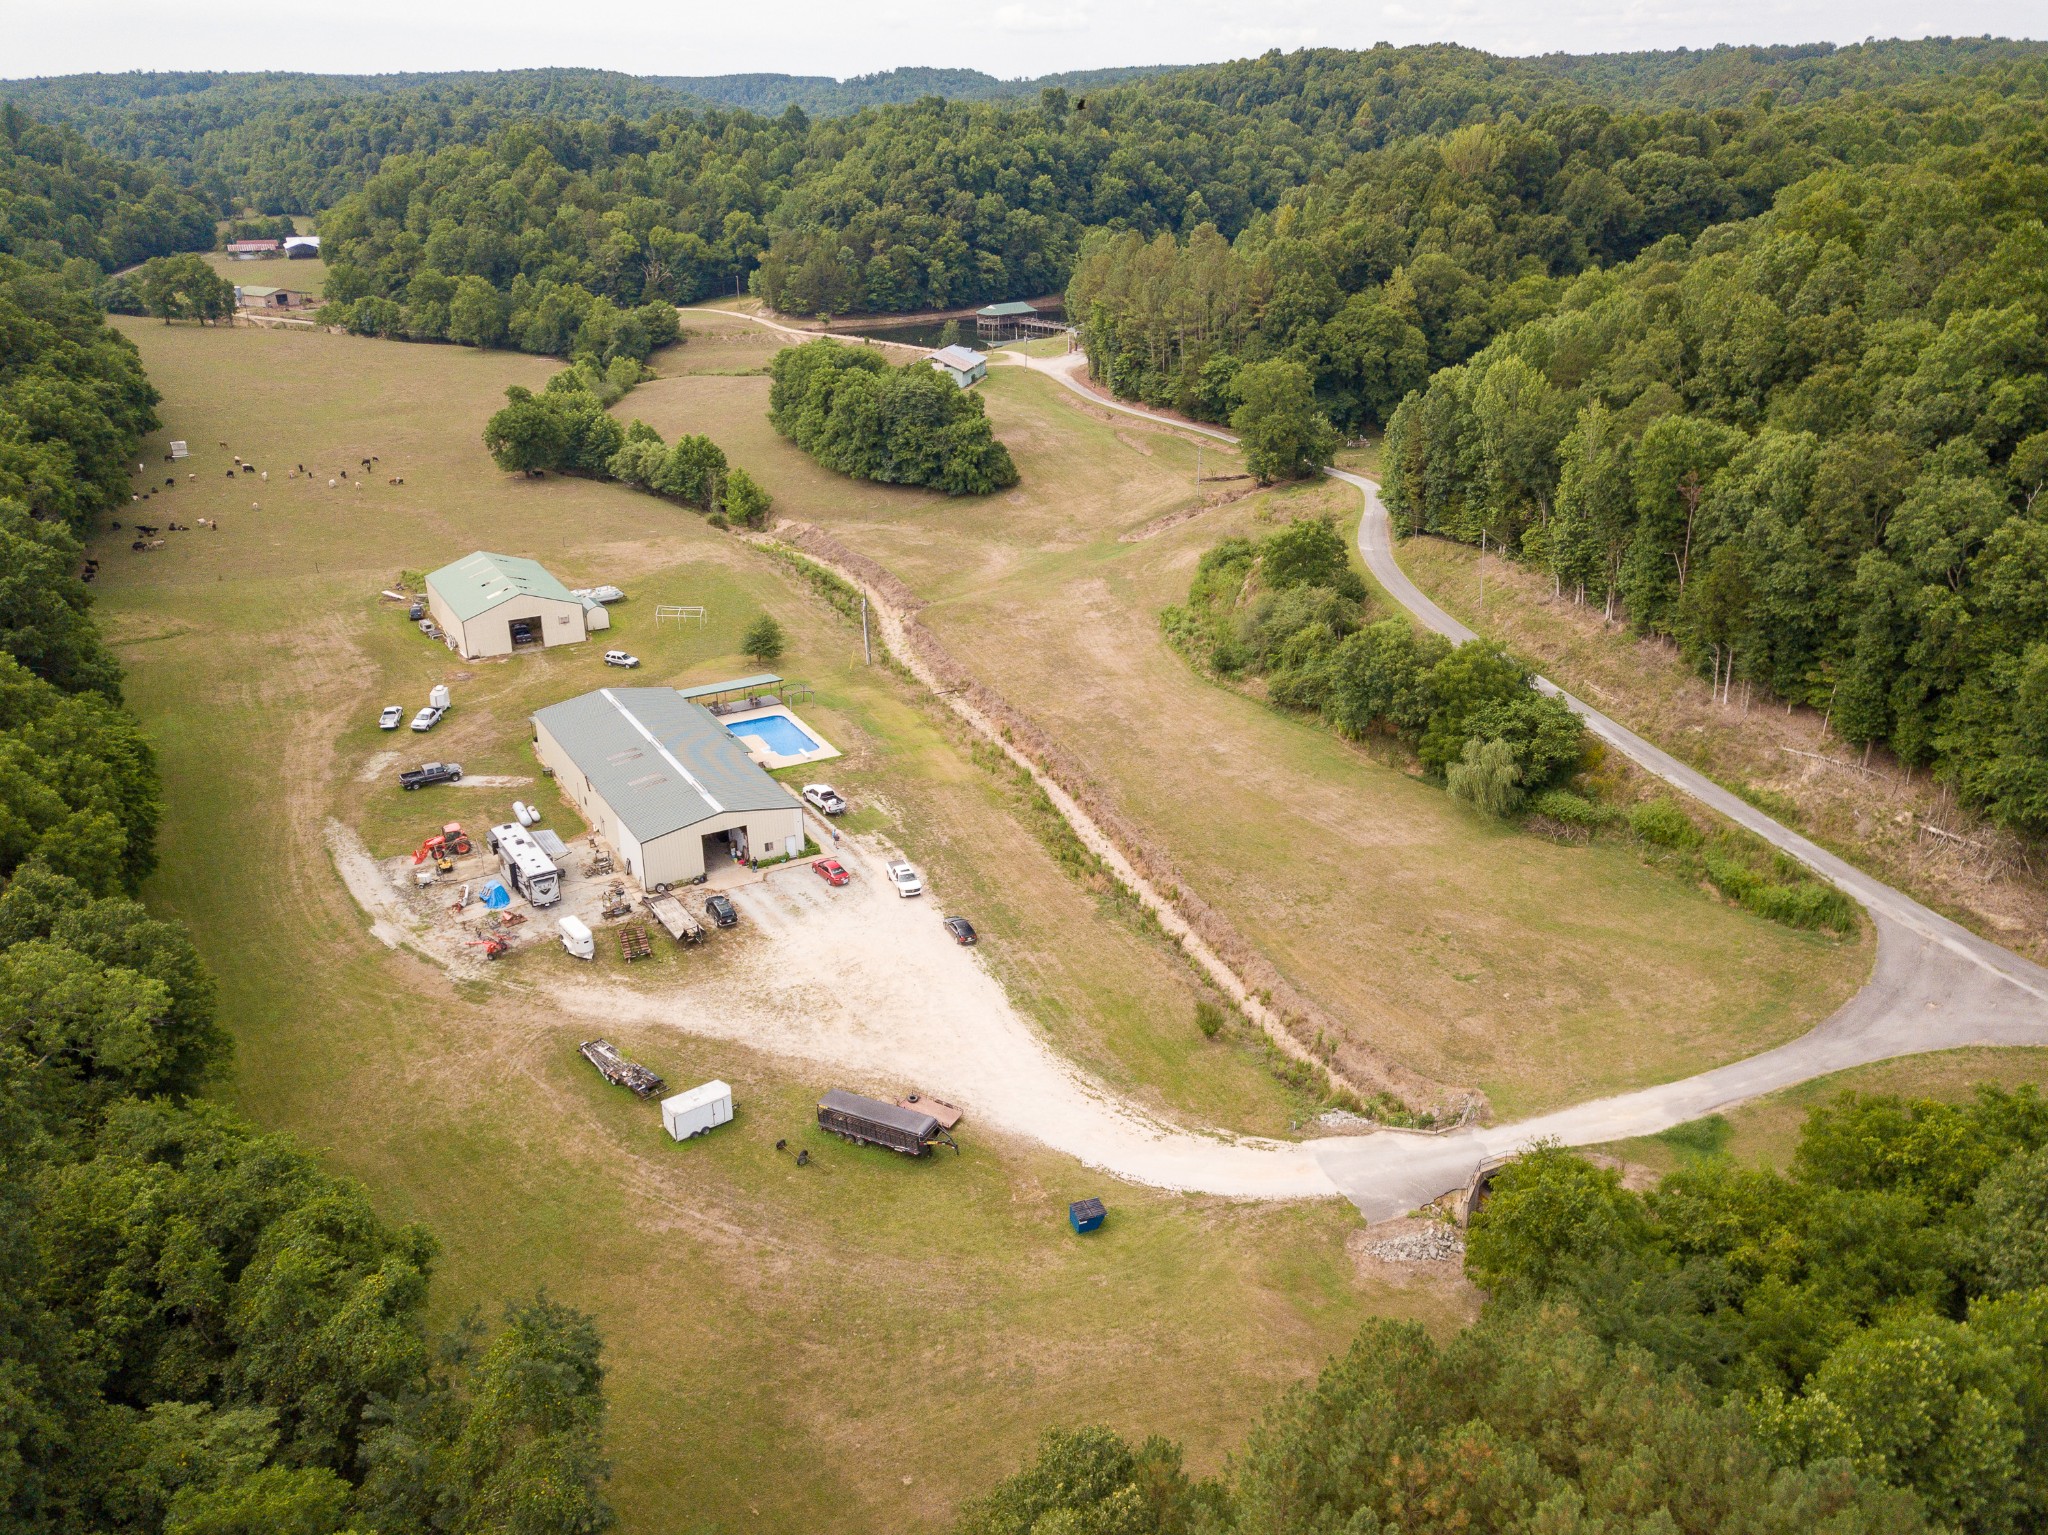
(1935,985)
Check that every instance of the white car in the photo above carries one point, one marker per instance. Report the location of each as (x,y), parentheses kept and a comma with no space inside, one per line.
(391,718)
(427,718)
(905,879)
(823,798)
(620,658)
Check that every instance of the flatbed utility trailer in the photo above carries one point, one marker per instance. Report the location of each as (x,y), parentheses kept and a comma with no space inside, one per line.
(619,1071)
(674,916)
(876,1123)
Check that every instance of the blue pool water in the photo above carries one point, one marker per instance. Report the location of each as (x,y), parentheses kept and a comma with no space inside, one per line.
(778,732)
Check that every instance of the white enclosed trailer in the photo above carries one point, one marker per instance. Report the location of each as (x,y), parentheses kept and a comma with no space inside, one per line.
(699,1109)
(576,937)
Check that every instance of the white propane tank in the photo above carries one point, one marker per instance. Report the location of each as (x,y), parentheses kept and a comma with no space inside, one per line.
(438,699)
(519,812)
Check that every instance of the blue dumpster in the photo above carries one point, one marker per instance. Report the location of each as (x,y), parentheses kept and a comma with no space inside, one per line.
(1085,1215)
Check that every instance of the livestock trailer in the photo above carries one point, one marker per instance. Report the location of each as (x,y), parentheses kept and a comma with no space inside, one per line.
(699,1109)
(881,1124)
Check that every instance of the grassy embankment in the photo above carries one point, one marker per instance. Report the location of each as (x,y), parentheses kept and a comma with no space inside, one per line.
(1475,953)
(1785,761)
(864,1341)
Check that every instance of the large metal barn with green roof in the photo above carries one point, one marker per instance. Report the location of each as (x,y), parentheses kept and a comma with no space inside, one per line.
(493,604)
(660,779)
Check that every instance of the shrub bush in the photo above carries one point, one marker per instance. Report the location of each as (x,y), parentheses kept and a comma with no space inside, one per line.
(1662,822)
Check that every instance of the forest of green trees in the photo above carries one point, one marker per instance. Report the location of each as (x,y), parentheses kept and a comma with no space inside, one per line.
(1855,1346)
(1809,445)
(62,201)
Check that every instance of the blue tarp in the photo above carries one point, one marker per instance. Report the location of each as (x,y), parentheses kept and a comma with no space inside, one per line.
(496,896)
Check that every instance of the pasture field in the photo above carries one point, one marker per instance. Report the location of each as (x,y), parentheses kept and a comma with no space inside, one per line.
(1785,760)
(308,274)
(1476,954)
(859,1343)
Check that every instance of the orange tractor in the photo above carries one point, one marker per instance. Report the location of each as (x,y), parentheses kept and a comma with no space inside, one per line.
(444,847)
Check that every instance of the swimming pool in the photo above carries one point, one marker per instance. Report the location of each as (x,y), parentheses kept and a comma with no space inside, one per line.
(778,733)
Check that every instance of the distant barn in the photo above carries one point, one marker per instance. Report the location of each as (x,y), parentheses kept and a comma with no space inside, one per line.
(254,250)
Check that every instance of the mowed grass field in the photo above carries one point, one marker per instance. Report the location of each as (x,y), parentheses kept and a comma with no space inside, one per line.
(1479,955)
(856,1344)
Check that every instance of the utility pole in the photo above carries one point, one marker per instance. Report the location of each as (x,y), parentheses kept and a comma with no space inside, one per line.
(1198,461)
(866,649)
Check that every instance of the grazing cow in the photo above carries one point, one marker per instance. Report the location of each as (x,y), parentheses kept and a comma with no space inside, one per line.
(230,474)
(330,484)
(172,480)
(264,476)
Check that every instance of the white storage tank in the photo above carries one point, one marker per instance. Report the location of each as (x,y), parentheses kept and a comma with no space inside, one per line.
(438,698)
(576,937)
(699,1109)
(519,812)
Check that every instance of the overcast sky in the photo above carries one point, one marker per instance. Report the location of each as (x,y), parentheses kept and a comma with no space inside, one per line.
(846,37)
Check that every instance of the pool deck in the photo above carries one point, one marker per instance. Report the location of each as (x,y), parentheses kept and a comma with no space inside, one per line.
(761,754)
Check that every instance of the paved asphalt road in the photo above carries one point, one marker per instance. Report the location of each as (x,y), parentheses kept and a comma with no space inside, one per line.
(1935,986)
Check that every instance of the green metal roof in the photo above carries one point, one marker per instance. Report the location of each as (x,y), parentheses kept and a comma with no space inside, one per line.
(660,761)
(479,583)
(1006,311)
(738,684)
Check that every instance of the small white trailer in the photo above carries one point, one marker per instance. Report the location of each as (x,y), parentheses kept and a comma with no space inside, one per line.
(699,1109)
(576,937)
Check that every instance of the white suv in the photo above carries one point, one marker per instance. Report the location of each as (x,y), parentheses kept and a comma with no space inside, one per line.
(905,879)
(620,658)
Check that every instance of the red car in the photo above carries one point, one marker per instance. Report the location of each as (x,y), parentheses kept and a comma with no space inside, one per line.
(831,871)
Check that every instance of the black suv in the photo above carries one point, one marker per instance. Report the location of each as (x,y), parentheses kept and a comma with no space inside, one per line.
(721,911)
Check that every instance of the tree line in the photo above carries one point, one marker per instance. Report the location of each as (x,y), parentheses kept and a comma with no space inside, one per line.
(61,201)
(202,1331)
(1409,257)
(1809,446)
(855,414)
(1857,1345)
(568,428)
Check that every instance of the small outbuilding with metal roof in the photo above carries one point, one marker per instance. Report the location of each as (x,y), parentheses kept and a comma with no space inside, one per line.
(962,364)
(494,604)
(661,780)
